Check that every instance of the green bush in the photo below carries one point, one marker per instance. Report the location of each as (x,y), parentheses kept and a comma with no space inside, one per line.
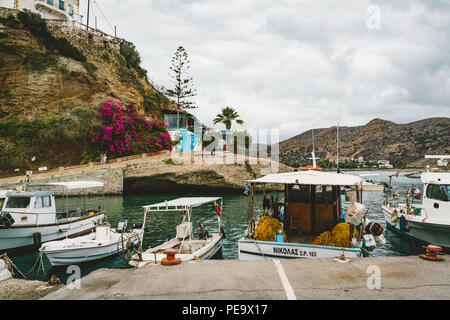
(37,60)
(106,57)
(10,21)
(90,68)
(61,139)
(132,57)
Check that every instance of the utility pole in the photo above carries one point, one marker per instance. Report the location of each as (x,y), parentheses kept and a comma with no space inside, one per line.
(115,31)
(87,24)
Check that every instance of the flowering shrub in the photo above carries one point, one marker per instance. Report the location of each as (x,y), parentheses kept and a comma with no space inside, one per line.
(124,132)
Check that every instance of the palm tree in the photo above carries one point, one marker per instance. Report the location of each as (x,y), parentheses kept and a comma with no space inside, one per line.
(227,116)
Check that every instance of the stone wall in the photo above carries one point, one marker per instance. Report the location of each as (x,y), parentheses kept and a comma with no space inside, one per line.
(112,177)
(93,43)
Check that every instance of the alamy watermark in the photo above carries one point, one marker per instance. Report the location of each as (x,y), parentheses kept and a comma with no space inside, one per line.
(373,21)
(248,147)
(374,280)
(74,280)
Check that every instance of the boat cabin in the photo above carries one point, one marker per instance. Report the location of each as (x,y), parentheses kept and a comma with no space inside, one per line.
(311,203)
(22,208)
(436,193)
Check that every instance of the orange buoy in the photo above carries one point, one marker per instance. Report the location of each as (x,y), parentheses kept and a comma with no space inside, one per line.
(432,253)
(170,260)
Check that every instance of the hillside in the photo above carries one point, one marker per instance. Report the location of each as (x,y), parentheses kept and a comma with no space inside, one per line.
(57,79)
(401,144)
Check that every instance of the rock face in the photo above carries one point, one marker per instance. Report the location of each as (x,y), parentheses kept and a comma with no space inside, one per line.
(379,139)
(65,84)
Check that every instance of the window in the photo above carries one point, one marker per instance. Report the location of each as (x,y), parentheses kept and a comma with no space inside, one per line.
(437,192)
(447,190)
(50,2)
(43,202)
(70,9)
(171,121)
(61,4)
(18,202)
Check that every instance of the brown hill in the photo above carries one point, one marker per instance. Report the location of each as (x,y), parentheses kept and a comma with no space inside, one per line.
(401,144)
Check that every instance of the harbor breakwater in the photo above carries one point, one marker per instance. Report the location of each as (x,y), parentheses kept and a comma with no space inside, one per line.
(161,173)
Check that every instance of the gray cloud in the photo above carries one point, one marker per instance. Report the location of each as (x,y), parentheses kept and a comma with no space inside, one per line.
(292,64)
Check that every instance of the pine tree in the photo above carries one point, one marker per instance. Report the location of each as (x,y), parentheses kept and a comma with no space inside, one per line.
(183,83)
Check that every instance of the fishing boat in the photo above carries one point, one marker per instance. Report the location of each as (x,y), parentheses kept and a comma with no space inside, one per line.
(188,247)
(427,222)
(298,225)
(369,185)
(102,243)
(29,218)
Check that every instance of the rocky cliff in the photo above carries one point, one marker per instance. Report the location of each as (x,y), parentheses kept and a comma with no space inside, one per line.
(53,78)
(31,91)
(402,144)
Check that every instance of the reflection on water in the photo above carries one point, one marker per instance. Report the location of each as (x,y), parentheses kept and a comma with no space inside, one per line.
(161,225)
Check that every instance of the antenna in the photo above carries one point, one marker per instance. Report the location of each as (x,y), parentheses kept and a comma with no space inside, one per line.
(337,147)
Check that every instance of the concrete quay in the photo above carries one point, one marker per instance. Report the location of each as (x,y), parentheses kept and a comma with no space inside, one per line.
(297,279)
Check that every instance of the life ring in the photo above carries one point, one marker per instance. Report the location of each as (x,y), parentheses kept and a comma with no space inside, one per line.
(218,210)
(185,211)
(395,196)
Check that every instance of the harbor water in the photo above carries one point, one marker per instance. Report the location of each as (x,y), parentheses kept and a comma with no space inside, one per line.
(160,226)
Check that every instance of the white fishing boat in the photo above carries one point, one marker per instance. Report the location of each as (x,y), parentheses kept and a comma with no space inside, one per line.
(369,185)
(311,206)
(102,243)
(30,218)
(427,222)
(189,247)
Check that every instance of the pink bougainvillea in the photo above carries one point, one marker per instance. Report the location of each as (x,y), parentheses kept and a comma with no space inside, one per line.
(124,132)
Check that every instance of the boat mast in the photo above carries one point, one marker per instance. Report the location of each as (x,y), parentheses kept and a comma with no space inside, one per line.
(313,154)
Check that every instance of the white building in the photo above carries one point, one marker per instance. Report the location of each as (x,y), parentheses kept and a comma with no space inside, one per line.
(68,10)
(384,164)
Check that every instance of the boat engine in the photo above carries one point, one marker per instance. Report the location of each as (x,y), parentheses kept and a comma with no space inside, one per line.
(122,225)
(6,220)
(202,233)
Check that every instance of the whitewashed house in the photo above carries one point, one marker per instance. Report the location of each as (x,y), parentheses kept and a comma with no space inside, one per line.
(68,10)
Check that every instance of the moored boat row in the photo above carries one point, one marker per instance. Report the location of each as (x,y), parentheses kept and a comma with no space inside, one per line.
(311,220)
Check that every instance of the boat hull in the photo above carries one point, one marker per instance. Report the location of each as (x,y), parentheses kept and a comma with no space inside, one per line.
(81,255)
(204,253)
(268,250)
(15,239)
(423,232)
(372,187)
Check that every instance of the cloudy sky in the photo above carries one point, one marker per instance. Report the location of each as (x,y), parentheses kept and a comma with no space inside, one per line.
(292,65)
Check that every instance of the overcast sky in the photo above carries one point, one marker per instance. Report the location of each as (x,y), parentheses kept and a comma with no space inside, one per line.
(293,65)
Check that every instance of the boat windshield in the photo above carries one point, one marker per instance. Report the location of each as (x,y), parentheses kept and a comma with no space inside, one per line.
(18,203)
